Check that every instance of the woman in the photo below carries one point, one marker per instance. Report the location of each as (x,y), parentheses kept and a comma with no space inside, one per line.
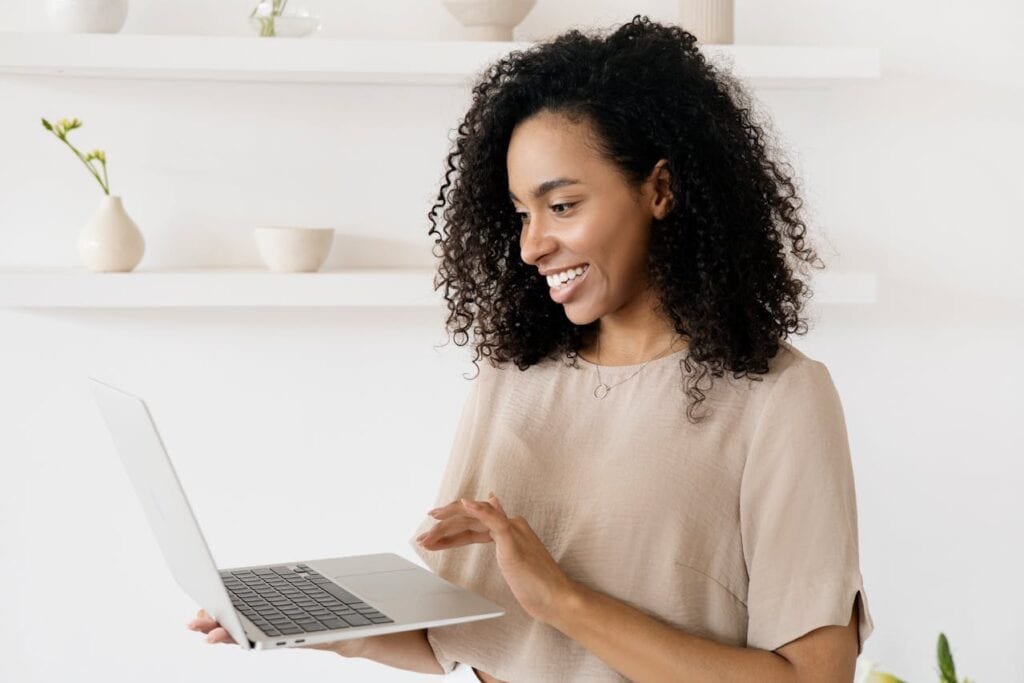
(615,236)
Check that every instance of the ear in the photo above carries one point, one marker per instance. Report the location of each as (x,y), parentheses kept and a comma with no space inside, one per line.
(662,199)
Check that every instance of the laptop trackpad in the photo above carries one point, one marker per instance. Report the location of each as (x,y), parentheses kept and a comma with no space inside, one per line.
(397,584)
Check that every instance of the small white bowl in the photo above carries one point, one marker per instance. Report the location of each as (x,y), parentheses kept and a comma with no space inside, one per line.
(294,250)
(489,19)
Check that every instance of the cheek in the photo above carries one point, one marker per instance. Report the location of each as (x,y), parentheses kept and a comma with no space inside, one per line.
(594,241)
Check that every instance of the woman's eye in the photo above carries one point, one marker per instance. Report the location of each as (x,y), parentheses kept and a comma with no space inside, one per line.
(568,205)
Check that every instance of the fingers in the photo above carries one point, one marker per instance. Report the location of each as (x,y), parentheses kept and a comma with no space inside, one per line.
(204,624)
(215,633)
(455,540)
(219,635)
(446,511)
(497,503)
(449,527)
(495,520)
(455,507)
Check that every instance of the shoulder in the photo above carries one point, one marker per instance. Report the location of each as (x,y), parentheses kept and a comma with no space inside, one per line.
(795,385)
(792,370)
(789,370)
(799,398)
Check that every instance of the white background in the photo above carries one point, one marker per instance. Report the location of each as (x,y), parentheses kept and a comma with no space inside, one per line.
(313,433)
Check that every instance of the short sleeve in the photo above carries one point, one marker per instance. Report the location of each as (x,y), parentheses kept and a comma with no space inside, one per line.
(798,514)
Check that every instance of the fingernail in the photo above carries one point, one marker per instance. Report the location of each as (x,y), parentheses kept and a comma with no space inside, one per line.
(422,536)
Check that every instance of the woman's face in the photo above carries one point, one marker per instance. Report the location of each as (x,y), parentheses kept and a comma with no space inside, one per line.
(585,215)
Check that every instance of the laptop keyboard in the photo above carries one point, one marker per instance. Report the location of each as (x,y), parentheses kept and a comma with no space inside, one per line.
(282,600)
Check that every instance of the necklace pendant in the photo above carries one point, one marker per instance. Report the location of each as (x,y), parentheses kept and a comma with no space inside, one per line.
(602,390)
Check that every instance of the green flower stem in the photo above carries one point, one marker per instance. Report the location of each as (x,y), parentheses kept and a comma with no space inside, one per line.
(267,28)
(92,170)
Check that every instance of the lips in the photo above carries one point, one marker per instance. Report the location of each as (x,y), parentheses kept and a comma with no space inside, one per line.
(556,271)
(584,266)
(568,290)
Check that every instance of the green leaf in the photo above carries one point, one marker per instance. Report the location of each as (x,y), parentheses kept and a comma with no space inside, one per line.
(946,667)
(47,126)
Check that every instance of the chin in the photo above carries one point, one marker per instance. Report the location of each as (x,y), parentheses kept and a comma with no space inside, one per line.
(578,315)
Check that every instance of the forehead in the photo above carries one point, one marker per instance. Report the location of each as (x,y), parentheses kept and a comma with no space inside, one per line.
(547,146)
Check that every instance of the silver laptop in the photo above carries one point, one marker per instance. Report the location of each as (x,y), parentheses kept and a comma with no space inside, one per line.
(287,603)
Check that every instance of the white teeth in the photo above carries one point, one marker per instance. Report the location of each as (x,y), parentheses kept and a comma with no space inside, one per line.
(566,275)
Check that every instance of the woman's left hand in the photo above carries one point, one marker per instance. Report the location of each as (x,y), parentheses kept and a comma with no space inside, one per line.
(534,577)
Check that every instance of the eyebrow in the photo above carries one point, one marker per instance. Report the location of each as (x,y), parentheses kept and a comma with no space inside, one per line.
(547,186)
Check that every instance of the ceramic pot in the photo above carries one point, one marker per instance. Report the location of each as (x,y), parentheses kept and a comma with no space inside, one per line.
(294,250)
(111,242)
(711,21)
(489,19)
(87,16)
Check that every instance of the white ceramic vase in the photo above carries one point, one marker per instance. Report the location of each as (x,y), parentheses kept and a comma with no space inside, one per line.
(489,19)
(111,242)
(711,21)
(87,16)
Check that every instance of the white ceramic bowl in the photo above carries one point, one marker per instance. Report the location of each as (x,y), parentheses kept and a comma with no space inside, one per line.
(489,19)
(87,16)
(294,250)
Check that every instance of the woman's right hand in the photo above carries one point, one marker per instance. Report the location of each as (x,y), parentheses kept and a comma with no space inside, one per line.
(215,633)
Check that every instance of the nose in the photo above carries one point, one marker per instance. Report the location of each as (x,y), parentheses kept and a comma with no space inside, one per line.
(534,241)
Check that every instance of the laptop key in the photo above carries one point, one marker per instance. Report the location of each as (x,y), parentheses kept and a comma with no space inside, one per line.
(339,592)
(356,620)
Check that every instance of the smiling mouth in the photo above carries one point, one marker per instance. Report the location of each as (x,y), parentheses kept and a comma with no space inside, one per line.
(567,290)
(559,285)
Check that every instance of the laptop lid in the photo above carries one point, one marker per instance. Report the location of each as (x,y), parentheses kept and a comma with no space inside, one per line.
(167,509)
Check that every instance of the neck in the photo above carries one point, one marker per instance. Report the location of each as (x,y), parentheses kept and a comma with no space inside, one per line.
(633,352)
(611,346)
(633,334)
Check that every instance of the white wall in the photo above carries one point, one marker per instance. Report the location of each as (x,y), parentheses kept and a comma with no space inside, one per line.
(915,177)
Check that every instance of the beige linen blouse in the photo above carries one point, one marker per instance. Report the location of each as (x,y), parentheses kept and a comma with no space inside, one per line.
(741,529)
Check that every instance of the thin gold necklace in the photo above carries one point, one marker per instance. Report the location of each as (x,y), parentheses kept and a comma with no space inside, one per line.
(602,389)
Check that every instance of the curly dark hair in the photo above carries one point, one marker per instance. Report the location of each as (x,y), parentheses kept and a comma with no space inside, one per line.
(716,259)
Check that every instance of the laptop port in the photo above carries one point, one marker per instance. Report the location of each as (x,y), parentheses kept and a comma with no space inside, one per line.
(301,640)
(283,642)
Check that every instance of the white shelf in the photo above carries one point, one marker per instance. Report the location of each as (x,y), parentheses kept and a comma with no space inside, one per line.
(319,60)
(253,287)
